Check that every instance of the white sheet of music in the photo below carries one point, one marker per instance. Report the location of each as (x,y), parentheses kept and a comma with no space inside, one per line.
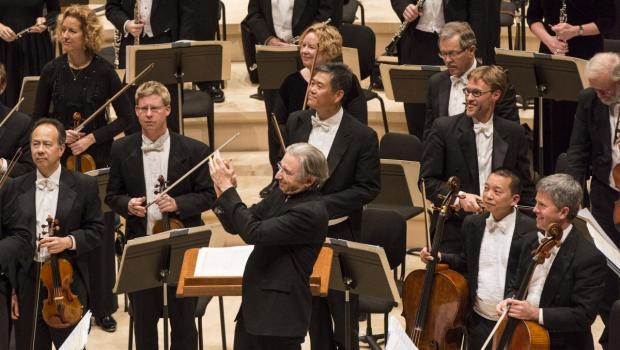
(79,335)
(397,338)
(601,240)
(222,262)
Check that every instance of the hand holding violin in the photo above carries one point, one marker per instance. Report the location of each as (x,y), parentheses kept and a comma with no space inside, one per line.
(166,204)
(136,207)
(56,244)
(82,144)
(469,202)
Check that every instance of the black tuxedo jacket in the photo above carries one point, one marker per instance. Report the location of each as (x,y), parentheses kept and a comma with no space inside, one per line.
(15,133)
(453,10)
(450,150)
(438,99)
(467,262)
(305,13)
(354,170)
(193,195)
(573,290)
(287,233)
(15,236)
(78,212)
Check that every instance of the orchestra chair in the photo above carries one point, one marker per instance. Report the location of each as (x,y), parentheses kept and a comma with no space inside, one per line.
(198,104)
(363,39)
(222,16)
(614,324)
(201,307)
(386,229)
(507,18)
(611,45)
(349,12)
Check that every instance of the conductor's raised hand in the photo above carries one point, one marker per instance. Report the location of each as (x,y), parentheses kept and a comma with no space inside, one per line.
(222,173)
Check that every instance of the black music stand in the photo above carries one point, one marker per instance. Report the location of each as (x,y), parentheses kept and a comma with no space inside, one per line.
(155,261)
(181,62)
(542,76)
(275,63)
(407,83)
(361,269)
(102,176)
(29,93)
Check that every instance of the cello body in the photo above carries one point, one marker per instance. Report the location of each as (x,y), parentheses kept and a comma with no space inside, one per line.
(526,335)
(447,308)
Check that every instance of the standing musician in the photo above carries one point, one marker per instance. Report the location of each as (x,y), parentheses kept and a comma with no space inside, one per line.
(470,146)
(287,229)
(595,144)
(490,256)
(82,81)
(138,161)
(352,153)
(71,198)
(445,97)
(14,133)
(153,22)
(566,290)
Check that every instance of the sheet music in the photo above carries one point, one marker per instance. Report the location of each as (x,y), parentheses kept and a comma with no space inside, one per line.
(601,240)
(397,338)
(79,335)
(222,262)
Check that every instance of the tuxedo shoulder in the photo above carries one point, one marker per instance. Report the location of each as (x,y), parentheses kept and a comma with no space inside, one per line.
(474,219)
(127,139)
(190,142)
(307,113)
(438,77)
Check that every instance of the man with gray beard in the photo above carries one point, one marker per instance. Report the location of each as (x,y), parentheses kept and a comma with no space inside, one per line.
(595,143)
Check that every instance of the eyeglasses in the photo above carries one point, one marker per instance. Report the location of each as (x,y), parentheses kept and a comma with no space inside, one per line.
(475,93)
(286,172)
(451,54)
(154,109)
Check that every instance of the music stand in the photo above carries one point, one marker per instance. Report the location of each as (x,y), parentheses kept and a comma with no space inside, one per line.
(181,62)
(361,269)
(29,93)
(275,63)
(407,83)
(542,76)
(155,261)
(587,225)
(102,176)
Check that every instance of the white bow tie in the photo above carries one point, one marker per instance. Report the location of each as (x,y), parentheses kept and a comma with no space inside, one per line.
(495,226)
(457,80)
(46,185)
(316,122)
(153,147)
(483,129)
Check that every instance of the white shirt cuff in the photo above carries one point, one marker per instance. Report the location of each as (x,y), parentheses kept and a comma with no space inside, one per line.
(125,32)
(73,247)
(540,317)
(3,166)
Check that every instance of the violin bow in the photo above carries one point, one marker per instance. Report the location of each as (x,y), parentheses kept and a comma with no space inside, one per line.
(490,337)
(310,80)
(111,99)
(426,220)
(189,172)
(276,126)
(12,111)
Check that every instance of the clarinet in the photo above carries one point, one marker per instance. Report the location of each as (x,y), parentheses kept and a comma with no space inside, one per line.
(136,18)
(563,15)
(392,48)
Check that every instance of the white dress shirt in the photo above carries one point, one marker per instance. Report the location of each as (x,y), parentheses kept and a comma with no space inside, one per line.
(492,264)
(155,158)
(537,283)
(484,147)
(456,103)
(46,201)
(615,149)
(432,19)
(323,132)
(282,14)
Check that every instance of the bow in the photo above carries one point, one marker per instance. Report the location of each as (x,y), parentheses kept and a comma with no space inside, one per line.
(46,185)
(483,129)
(153,147)
(496,226)
(316,122)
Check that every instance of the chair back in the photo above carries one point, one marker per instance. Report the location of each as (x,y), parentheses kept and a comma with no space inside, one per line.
(400,146)
(611,45)
(349,10)
(507,14)
(386,229)
(363,39)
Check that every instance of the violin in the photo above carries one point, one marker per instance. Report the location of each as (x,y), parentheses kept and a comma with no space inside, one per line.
(82,162)
(513,333)
(436,300)
(62,308)
(166,223)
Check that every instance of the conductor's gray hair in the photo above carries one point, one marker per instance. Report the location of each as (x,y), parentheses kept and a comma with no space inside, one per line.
(312,162)
(564,191)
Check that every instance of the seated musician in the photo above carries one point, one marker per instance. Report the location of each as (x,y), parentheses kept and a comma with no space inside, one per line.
(137,161)
(71,198)
(445,97)
(14,133)
(490,256)
(566,290)
(470,146)
(352,151)
(287,228)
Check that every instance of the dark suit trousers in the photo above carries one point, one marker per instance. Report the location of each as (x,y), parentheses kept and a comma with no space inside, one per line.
(603,198)
(247,341)
(324,336)
(102,271)
(419,48)
(5,307)
(478,329)
(45,335)
(147,310)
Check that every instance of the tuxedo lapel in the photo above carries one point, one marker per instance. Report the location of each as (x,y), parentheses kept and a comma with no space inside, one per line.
(28,200)
(298,10)
(3,112)
(521,228)
(306,127)
(154,7)
(500,145)
(467,143)
(135,163)
(444,96)
(341,143)
(66,198)
(559,268)
(475,246)
(176,157)
(601,113)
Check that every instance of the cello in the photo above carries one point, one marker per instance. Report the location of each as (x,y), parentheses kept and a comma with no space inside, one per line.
(513,333)
(436,300)
(166,223)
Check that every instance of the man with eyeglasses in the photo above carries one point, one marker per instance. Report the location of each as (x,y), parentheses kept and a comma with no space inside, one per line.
(137,163)
(457,49)
(352,152)
(595,147)
(470,146)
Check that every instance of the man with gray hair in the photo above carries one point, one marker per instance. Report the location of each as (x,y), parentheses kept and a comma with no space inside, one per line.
(287,229)
(445,97)
(595,145)
(566,290)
